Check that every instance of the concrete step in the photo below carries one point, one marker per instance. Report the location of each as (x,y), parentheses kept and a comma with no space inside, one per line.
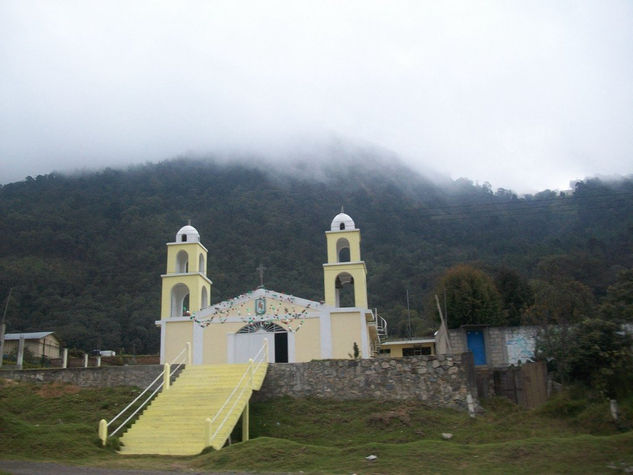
(174,423)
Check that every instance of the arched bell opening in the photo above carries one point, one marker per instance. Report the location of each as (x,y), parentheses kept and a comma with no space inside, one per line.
(182,262)
(345,291)
(180,300)
(342,250)
(201,266)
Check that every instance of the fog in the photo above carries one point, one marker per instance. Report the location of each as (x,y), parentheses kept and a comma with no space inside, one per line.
(524,95)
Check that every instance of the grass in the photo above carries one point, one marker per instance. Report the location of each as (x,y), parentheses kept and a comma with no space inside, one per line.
(58,423)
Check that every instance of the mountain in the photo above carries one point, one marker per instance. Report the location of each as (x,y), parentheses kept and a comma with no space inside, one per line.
(84,253)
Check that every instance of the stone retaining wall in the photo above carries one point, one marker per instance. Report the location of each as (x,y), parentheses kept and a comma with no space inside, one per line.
(105,376)
(438,381)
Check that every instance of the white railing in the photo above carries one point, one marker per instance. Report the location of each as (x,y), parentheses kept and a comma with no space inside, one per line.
(184,357)
(381,327)
(243,384)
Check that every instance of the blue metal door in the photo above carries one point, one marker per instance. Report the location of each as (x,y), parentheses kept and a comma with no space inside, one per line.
(477,346)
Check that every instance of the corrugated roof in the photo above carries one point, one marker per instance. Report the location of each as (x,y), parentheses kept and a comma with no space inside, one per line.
(26,336)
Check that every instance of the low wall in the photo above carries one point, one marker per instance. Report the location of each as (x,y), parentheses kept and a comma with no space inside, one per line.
(105,376)
(438,381)
(526,385)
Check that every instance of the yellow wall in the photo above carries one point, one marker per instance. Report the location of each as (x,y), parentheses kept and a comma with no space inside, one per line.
(177,334)
(193,250)
(193,281)
(352,236)
(357,271)
(215,341)
(308,341)
(346,329)
(396,350)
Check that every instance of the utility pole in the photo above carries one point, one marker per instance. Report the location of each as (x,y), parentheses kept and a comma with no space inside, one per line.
(409,315)
(3,327)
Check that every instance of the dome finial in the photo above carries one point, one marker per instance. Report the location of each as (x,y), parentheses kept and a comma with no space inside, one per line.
(342,222)
(188,222)
(342,210)
(188,234)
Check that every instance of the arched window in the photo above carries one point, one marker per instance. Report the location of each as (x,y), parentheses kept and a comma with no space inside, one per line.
(342,226)
(201,268)
(204,299)
(342,250)
(344,287)
(180,300)
(182,262)
(268,327)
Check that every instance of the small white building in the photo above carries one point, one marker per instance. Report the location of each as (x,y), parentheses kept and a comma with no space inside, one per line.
(37,343)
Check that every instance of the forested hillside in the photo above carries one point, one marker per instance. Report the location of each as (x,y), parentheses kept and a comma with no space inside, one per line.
(84,253)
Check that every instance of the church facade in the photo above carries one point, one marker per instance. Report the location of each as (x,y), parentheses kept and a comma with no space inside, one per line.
(297,330)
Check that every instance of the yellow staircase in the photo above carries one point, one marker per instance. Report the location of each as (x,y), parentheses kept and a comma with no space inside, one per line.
(199,410)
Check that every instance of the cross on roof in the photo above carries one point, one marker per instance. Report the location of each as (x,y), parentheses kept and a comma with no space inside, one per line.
(261,270)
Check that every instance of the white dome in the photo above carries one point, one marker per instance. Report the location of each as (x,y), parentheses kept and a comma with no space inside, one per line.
(342,222)
(188,234)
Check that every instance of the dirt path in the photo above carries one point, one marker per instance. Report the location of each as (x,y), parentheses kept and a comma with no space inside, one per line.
(19,467)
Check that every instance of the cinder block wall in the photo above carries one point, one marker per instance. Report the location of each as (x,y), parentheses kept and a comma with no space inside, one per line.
(504,345)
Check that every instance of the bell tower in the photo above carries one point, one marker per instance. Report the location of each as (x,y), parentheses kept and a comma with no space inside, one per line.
(186,287)
(344,266)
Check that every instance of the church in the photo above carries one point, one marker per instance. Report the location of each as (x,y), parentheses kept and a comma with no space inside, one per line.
(297,330)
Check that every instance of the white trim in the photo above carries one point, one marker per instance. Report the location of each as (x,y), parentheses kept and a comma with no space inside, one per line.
(230,345)
(345,264)
(175,319)
(349,310)
(325,328)
(162,340)
(364,336)
(334,231)
(188,242)
(184,274)
(198,344)
(408,342)
(291,347)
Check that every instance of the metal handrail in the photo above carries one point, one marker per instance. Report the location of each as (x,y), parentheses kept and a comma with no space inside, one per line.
(105,425)
(147,388)
(381,325)
(248,370)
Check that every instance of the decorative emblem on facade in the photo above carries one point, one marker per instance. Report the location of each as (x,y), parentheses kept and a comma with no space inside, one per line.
(260,306)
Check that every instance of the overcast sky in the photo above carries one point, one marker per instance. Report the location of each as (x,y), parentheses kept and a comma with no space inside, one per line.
(523,94)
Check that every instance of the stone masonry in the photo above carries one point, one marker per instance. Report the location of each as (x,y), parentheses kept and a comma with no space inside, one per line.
(437,381)
(105,376)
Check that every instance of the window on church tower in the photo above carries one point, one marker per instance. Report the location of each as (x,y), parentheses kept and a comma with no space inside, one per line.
(342,226)
(183,238)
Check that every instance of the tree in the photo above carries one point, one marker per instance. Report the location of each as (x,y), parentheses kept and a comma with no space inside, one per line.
(516,294)
(617,306)
(560,302)
(593,352)
(471,297)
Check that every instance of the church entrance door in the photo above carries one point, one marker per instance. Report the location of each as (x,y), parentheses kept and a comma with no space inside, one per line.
(250,339)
